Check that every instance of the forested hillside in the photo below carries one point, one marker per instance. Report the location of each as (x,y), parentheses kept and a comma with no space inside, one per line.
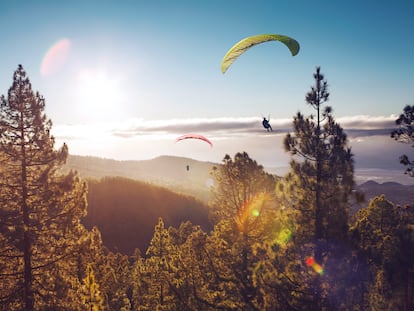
(170,172)
(126,211)
(167,171)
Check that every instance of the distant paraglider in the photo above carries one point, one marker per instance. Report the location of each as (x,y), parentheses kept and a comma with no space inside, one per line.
(267,125)
(195,136)
(245,44)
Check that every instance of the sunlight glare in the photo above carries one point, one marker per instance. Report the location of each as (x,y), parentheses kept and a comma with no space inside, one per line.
(99,95)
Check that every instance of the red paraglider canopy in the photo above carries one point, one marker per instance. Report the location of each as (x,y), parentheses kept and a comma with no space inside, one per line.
(196,136)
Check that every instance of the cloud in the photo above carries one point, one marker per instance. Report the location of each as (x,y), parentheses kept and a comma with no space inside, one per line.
(363,126)
(136,139)
(356,127)
(212,126)
(366,122)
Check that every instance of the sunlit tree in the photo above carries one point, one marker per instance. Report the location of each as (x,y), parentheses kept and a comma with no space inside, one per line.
(237,181)
(92,297)
(112,271)
(115,277)
(157,272)
(40,208)
(242,209)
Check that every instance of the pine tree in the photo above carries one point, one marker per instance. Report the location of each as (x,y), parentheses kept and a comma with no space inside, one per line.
(157,272)
(238,181)
(92,297)
(40,208)
(322,174)
(242,202)
(323,163)
(115,273)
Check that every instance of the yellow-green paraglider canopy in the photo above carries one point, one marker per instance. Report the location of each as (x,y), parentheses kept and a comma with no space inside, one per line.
(245,44)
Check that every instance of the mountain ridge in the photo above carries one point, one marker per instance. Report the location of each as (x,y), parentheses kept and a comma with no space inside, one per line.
(182,175)
(192,177)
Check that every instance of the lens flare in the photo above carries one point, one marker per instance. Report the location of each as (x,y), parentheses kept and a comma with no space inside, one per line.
(55,57)
(249,212)
(311,262)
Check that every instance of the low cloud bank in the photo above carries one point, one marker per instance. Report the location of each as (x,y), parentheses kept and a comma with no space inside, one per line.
(136,139)
(354,126)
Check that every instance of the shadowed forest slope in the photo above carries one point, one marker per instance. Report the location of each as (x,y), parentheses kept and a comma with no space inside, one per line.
(166,171)
(126,211)
(171,172)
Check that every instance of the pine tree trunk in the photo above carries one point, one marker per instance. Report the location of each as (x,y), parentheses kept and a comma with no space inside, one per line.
(27,244)
(318,214)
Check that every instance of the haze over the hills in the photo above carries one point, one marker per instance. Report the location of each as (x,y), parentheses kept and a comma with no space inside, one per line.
(171,172)
(173,169)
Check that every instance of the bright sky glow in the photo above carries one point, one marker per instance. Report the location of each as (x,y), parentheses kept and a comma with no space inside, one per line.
(138,74)
(99,95)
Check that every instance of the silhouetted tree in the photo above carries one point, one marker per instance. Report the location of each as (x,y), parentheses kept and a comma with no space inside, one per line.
(321,175)
(405,134)
(40,208)
(323,163)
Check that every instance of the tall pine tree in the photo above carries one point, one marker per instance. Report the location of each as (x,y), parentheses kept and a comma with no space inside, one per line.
(322,172)
(40,208)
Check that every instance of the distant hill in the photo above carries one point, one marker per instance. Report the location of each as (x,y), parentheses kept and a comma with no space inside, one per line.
(395,192)
(126,211)
(167,171)
(171,172)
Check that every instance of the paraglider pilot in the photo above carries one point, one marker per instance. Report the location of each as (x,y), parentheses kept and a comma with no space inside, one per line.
(267,125)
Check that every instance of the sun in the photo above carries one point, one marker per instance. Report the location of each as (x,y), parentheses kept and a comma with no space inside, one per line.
(99,95)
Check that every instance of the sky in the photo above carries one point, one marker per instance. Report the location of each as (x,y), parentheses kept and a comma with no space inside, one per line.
(124,79)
